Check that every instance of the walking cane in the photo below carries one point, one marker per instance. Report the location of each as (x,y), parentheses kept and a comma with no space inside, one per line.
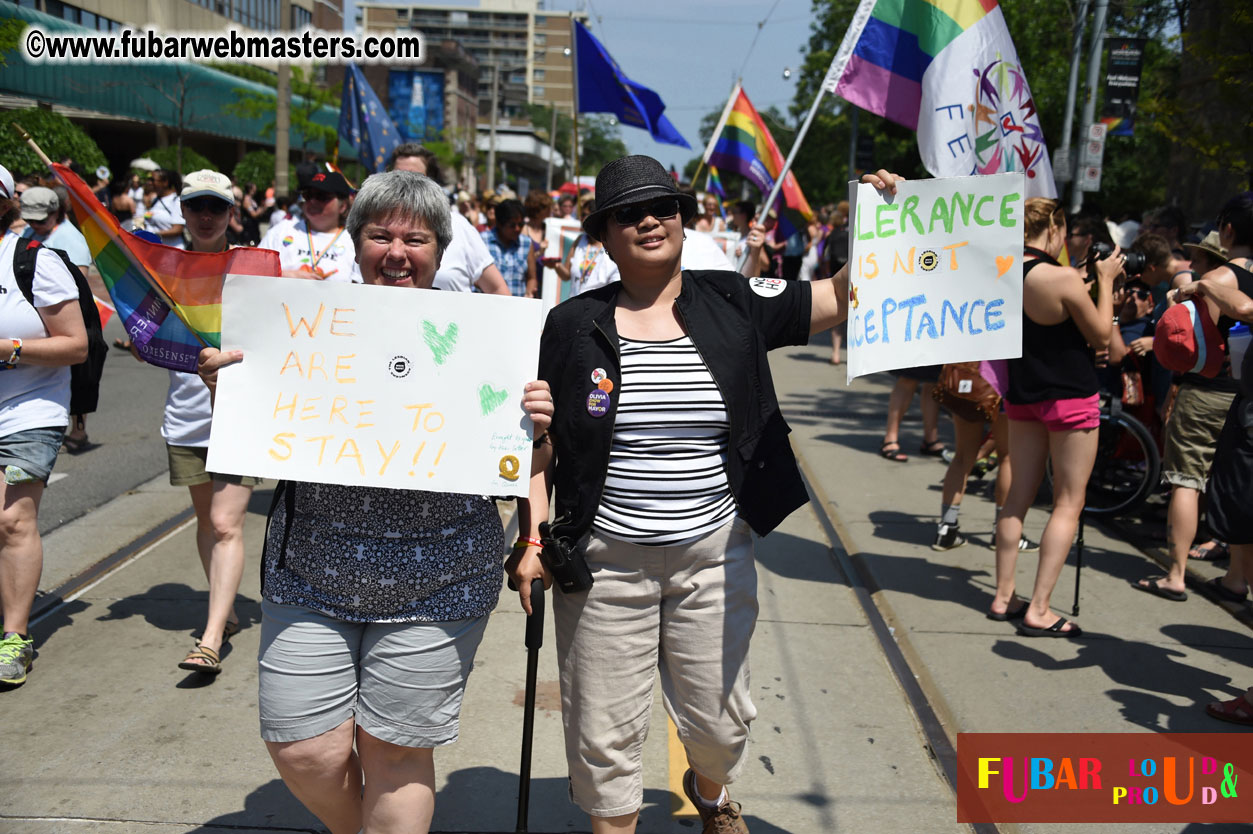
(534,640)
(1074,611)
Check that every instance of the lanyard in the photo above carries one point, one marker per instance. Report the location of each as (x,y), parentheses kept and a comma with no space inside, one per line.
(313,252)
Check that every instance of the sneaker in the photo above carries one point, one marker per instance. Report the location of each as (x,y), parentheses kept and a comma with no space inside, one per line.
(1025,545)
(16,654)
(725,819)
(948,538)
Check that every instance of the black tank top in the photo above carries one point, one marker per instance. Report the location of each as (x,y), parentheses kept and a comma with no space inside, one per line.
(1056,362)
(1224,382)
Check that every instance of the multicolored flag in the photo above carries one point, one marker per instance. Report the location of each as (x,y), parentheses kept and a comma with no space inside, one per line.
(364,123)
(147,281)
(713,184)
(947,69)
(742,143)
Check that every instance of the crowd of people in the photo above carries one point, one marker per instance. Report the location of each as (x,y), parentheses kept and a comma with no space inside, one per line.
(663,341)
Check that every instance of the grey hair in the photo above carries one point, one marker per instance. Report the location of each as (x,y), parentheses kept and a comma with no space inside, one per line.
(401,194)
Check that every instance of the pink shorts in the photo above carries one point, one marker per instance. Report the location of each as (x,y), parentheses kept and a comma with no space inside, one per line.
(1059,415)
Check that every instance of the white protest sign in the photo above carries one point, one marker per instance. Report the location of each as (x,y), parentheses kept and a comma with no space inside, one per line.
(935,273)
(376,386)
(560,235)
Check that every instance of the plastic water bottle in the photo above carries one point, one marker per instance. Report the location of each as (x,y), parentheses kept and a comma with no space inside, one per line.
(1238,339)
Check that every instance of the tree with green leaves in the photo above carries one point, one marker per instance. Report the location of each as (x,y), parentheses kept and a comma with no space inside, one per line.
(600,139)
(313,96)
(56,135)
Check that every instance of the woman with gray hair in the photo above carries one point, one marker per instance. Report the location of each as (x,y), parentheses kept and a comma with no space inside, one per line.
(375,600)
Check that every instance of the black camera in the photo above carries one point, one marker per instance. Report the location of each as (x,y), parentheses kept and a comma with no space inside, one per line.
(564,561)
(1134,262)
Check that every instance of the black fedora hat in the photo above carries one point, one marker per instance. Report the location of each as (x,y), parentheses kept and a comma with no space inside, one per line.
(633,179)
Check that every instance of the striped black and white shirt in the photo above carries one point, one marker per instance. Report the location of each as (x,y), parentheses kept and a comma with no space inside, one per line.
(667,481)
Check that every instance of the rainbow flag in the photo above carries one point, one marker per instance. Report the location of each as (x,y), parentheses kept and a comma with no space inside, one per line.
(147,281)
(742,143)
(948,70)
(713,184)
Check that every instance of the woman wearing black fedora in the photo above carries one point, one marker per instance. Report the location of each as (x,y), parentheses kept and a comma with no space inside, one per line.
(667,450)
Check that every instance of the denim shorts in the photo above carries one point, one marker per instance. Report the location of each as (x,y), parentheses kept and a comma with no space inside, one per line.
(401,682)
(28,456)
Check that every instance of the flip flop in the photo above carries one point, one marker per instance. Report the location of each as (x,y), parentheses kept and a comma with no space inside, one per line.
(1236,711)
(1211,551)
(1055,630)
(1221,591)
(1154,587)
(1009,615)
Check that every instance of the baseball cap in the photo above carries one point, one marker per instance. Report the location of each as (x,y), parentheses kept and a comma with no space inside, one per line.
(6,183)
(207,183)
(39,202)
(1187,340)
(332,182)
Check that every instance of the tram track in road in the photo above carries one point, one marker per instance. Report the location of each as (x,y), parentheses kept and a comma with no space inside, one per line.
(898,655)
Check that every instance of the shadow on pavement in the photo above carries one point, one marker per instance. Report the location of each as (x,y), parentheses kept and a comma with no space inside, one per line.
(174,606)
(61,616)
(270,807)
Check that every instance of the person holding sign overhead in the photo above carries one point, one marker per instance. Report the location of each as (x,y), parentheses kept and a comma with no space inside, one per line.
(375,600)
(1053,412)
(315,245)
(667,450)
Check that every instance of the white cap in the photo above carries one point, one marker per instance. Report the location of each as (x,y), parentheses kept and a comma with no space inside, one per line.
(207,183)
(6,184)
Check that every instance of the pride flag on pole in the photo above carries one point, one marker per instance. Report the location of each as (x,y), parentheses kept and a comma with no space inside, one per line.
(742,143)
(948,70)
(147,281)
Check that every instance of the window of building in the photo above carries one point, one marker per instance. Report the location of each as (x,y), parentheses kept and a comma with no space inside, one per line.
(458,18)
(541,39)
(541,20)
(539,92)
(88,19)
(539,75)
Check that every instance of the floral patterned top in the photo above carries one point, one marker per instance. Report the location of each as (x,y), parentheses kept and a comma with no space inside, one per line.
(365,554)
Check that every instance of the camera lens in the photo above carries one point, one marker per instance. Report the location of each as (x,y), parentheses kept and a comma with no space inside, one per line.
(1135,263)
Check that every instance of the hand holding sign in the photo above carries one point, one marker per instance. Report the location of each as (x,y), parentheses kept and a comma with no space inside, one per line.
(935,272)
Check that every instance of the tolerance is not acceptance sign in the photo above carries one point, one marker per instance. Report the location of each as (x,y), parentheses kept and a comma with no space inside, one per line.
(935,273)
(375,386)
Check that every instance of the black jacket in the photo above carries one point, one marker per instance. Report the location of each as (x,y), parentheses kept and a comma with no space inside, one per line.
(732,321)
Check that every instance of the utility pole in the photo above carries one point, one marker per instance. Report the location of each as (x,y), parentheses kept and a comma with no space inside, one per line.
(552,150)
(282,110)
(491,142)
(1094,76)
(1069,158)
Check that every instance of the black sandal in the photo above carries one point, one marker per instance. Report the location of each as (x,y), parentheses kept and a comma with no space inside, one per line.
(935,449)
(891,450)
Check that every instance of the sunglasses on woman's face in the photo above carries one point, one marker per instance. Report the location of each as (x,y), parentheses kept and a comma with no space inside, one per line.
(661,208)
(209,204)
(314,196)
(1142,294)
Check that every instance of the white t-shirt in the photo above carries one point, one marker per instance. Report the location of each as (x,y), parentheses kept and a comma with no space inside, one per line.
(188,411)
(700,251)
(334,255)
(166,213)
(66,238)
(32,396)
(465,258)
(583,262)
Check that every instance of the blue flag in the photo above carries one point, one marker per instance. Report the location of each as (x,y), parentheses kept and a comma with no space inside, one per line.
(603,88)
(364,123)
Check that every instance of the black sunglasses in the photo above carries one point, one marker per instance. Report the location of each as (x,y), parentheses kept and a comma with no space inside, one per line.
(210,204)
(315,196)
(662,208)
(1142,294)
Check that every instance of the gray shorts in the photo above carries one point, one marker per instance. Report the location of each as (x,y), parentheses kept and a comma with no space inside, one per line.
(403,682)
(1192,435)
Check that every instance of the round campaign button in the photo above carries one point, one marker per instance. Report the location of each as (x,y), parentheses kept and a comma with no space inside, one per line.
(605,385)
(598,375)
(597,403)
(767,287)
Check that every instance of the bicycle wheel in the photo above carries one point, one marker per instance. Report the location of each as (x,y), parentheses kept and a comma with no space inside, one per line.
(1127,467)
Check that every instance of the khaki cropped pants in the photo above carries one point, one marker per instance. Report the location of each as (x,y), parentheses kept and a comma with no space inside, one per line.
(690,609)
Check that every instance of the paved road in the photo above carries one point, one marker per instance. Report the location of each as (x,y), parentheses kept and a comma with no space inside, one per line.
(108,736)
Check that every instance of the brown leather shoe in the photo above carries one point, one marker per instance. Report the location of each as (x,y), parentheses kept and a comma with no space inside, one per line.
(725,819)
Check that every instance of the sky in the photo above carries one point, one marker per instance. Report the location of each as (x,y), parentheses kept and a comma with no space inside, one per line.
(691,52)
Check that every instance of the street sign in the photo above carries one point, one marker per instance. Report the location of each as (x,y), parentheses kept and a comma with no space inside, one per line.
(1091,157)
(1062,165)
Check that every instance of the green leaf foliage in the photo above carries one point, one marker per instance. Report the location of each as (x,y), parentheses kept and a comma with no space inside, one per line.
(308,97)
(56,135)
(167,158)
(600,139)
(256,166)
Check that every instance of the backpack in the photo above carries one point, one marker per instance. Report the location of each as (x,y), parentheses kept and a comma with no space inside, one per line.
(85,376)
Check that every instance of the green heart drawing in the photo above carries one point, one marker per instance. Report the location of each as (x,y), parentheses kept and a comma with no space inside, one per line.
(441,344)
(490,399)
